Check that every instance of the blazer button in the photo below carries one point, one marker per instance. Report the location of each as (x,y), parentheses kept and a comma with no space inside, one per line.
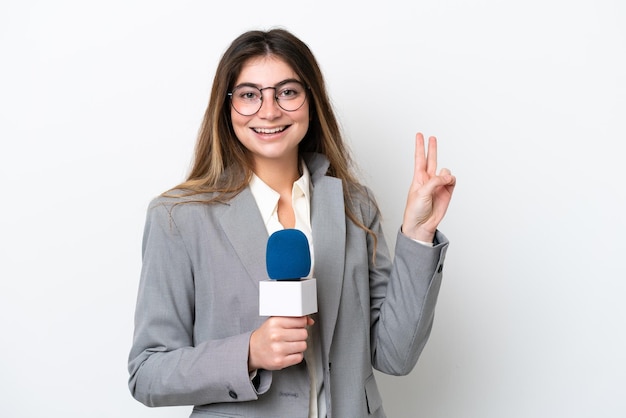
(440,268)
(232,394)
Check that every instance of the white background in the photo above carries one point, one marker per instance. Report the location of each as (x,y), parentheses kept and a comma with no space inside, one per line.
(100,103)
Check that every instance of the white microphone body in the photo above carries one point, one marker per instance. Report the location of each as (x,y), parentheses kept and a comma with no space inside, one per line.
(287,297)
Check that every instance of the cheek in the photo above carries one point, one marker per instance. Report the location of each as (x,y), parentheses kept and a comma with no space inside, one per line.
(238,123)
(236,118)
(305,117)
(306,123)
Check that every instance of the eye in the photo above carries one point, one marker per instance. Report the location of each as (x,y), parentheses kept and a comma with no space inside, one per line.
(247,93)
(290,91)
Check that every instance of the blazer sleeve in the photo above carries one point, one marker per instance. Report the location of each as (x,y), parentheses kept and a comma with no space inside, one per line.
(403,295)
(165,366)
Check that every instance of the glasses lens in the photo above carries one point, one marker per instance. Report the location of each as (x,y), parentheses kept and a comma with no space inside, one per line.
(290,96)
(246,100)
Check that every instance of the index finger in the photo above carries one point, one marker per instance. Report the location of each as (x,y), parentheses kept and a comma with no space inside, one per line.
(420,158)
(294,321)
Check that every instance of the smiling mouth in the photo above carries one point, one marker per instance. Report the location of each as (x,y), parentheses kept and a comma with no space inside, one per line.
(269,130)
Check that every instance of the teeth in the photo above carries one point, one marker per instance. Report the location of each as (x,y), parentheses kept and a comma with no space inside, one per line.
(268,130)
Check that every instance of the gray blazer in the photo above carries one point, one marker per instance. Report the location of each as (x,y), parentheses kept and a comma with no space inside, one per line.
(198,304)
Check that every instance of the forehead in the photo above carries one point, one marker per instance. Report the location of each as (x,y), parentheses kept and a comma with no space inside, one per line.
(265,71)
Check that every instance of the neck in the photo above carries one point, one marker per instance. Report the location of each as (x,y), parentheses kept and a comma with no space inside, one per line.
(280,176)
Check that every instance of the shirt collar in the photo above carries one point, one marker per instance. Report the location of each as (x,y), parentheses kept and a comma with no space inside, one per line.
(304,182)
(267,198)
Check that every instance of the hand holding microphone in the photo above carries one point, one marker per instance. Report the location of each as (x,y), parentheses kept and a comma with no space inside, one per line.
(280,342)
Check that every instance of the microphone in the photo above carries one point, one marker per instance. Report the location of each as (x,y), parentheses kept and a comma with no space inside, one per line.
(288,261)
(288,256)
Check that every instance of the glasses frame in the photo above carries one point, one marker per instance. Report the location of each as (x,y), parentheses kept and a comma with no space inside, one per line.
(276,98)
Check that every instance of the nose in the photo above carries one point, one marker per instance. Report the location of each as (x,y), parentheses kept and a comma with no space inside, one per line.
(269,106)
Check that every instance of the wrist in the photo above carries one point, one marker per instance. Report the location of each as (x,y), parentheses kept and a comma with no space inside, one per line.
(419,235)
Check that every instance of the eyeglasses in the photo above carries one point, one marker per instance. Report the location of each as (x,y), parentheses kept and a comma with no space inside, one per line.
(247,99)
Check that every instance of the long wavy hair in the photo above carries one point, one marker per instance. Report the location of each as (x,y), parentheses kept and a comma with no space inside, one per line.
(222,166)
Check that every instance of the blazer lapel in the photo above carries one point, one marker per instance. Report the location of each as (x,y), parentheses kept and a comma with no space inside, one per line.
(247,234)
(329,238)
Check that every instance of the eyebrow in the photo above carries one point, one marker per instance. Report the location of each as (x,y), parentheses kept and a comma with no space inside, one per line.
(258,86)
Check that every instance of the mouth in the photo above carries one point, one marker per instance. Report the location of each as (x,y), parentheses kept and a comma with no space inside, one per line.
(267,131)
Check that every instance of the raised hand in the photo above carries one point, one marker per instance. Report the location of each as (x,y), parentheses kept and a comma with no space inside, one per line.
(429,194)
(280,342)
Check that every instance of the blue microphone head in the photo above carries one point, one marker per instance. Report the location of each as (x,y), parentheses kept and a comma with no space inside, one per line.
(288,256)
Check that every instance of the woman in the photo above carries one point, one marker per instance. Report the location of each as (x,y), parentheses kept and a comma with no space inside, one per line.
(269,156)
